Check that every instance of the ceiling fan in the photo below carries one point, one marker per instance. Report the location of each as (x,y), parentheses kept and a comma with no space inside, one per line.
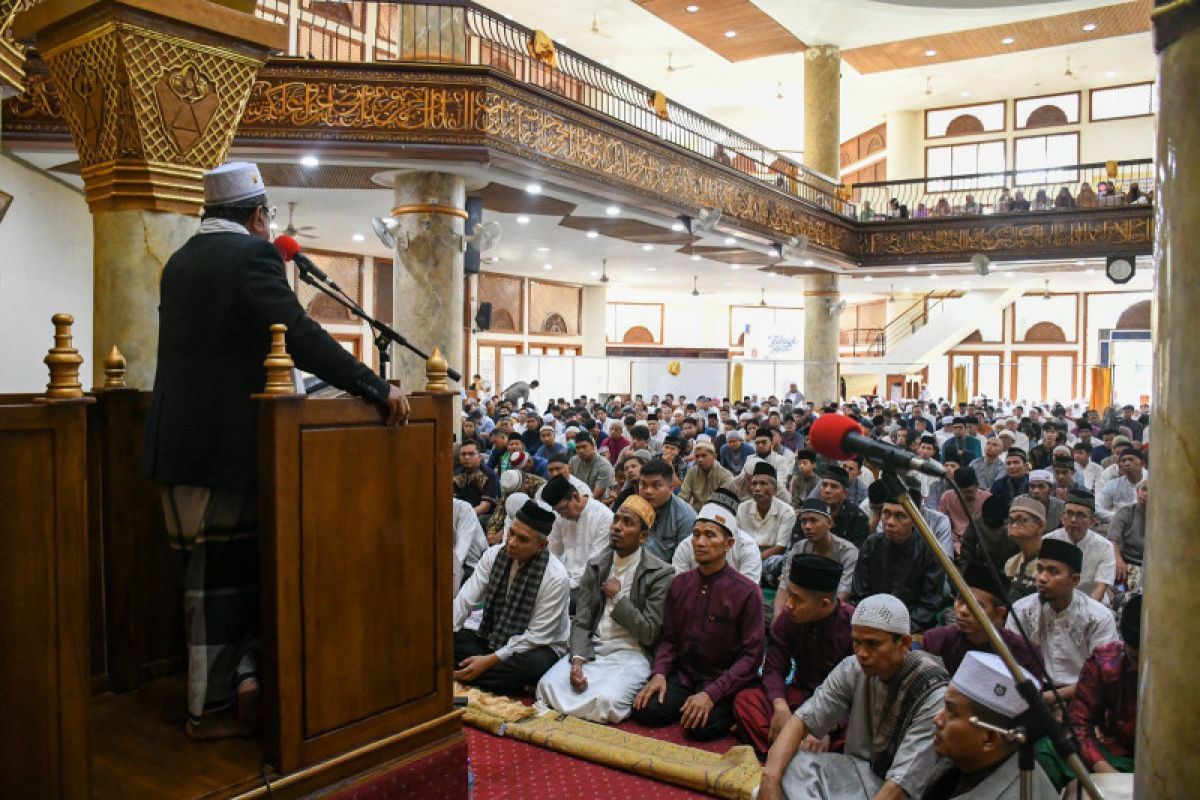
(595,29)
(604,271)
(1069,73)
(695,286)
(763,301)
(671,68)
(292,230)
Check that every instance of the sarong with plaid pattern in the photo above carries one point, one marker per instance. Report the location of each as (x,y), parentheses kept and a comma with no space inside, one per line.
(215,538)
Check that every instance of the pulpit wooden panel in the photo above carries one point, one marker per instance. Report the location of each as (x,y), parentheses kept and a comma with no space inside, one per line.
(357,548)
(44,593)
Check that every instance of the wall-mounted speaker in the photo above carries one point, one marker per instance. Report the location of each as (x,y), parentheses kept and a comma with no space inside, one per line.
(483,316)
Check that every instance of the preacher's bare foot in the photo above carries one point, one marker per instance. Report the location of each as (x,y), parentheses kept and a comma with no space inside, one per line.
(249,697)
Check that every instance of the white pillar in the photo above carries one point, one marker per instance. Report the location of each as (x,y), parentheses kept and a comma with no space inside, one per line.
(905,145)
(595,308)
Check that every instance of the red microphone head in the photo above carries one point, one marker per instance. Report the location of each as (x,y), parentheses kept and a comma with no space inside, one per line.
(287,246)
(826,435)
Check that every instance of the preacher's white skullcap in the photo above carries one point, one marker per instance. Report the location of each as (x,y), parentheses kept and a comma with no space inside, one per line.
(515,500)
(510,480)
(232,182)
(985,679)
(883,612)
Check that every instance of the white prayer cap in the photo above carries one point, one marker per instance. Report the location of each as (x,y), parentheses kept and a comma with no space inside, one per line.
(514,502)
(883,612)
(510,480)
(232,182)
(715,512)
(1041,476)
(985,679)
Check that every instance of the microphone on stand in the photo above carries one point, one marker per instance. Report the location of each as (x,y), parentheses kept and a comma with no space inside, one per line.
(837,436)
(289,250)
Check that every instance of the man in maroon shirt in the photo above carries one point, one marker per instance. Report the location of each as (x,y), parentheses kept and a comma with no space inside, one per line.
(814,634)
(951,643)
(712,638)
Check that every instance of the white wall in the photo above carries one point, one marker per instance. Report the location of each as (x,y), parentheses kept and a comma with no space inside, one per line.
(45,268)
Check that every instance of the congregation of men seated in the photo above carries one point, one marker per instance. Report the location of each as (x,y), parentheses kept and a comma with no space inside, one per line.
(671,574)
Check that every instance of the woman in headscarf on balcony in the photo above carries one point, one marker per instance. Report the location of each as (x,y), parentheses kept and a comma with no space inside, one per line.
(942,209)
(1019,201)
(1086,197)
(1064,199)
(1041,201)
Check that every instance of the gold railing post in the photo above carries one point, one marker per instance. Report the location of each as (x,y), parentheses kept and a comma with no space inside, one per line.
(279,364)
(63,360)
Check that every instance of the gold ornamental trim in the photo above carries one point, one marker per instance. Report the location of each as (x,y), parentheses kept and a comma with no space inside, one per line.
(429,208)
(50,51)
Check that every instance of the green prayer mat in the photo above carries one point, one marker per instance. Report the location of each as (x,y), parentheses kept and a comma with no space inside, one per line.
(1060,773)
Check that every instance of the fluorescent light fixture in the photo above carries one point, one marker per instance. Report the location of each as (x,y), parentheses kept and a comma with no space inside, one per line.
(678,227)
(735,266)
(547,267)
(522,220)
(358,237)
(613,211)
(729,240)
(533,188)
(695,258)
(808,262)
(651,269)
(543,249)
(912,269)
(310,161)
(869,278)
(647,247)
(592,234)
(730,34)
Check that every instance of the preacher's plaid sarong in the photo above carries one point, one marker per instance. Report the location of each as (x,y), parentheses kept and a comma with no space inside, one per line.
(215,538)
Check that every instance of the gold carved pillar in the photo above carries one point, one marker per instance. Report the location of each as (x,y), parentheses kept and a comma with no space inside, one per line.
(822,124)
(1168,705)
(152,92)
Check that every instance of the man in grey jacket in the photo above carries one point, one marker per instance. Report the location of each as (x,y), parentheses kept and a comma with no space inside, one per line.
(622,594)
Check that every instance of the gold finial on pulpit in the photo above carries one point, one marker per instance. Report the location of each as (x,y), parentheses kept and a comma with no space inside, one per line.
(279,364)
(114,369)
(63,361)
(437,379)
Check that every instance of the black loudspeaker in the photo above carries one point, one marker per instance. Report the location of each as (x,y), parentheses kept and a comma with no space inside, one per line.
(483,316)
(474,217)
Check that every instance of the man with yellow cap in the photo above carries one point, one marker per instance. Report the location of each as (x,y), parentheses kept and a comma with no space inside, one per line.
(220,294)
(622,596)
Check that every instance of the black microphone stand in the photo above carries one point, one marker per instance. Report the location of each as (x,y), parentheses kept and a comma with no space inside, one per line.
(384,334)
(1041,720)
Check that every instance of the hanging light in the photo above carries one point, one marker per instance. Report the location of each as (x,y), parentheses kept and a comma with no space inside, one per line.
(763,302)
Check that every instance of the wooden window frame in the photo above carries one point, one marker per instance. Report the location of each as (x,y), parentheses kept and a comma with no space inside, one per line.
(1045,356)
(928,177)
(1091,105)
(1078,148)
(662,325)
(529,282)
(1002,129)
(1016,126)
(1076,334)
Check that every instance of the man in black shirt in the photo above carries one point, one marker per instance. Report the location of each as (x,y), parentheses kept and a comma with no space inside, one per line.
(849,521)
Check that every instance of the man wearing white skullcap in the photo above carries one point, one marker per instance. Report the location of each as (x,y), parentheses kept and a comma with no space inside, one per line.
(890,694)
(219,295)
(984,762)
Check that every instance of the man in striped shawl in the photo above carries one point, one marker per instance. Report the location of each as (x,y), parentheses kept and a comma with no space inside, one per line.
(525,591)
(891,695)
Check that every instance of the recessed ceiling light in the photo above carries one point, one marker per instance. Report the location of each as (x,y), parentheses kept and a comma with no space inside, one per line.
(735,266)
(912,269)
(547,267)
(808,262)
(695,258)
(930,53)
(677,227)
(1009,275)
(594,274)
(358,237)
(543,249)
(1080,263)
(1089,271)
(592,234)
(533,188)
(522,220)
(1007,40)
(310,161)
(934,277)
(730,240)
(612,211)
(692,9)
(1091,26)
(647,247)
(651,269)
(730,34)
(772,275)
(869,278)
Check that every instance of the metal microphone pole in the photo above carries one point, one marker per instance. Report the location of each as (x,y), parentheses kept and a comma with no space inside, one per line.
(384,334)
(1041,717)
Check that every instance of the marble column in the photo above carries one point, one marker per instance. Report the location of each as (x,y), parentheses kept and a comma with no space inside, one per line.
(593,322)
(822,124)
(427,291)
(154,100)
(1168,705)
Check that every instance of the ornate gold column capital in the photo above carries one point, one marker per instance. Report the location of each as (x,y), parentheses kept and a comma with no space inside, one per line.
(1172,19)
(153,92)
(12,54)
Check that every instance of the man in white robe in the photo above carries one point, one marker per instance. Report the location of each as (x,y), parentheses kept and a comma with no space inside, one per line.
(580,531)
(890,694)
(621,599)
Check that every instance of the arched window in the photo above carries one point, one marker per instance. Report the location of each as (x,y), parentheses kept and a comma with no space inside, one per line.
(1045,332)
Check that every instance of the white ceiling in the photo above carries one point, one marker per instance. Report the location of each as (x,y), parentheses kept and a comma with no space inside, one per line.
(744,96)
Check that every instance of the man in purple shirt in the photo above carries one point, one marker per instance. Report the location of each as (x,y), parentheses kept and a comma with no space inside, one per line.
(712,638)
(814,633)
(951,643)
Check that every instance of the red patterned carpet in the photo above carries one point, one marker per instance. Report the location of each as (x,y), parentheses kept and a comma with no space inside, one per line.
(510,770)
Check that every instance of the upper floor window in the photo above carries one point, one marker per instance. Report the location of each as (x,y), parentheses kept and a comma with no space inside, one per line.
(1122,102)
(953,160)
(1037,153)
(964,120)
(1048,111)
